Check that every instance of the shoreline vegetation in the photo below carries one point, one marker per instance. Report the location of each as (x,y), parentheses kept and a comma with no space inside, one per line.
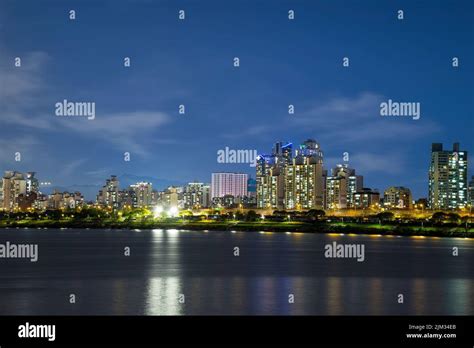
(439,224)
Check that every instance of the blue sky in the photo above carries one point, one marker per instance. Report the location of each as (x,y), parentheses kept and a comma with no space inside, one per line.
(190,62)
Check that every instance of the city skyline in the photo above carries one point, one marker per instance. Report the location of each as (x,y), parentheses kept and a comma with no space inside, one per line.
(137,108)
(288,178)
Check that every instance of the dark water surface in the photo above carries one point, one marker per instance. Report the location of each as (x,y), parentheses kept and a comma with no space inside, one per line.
(202,266)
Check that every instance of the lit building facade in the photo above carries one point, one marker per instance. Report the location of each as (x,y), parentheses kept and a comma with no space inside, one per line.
(109,194)
(341,186)
(304,178)
(142,194)
(366,198)
(13,185)
(471,193)
(206,196)
(32,184)
(269,182)
(234,184)
(447,188)
(194,196)
(65,200)
(397,197)
(170,197)
(270,176)
(287,181)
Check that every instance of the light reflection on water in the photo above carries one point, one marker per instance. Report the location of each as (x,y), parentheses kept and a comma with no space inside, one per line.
(271,266)
(163,296)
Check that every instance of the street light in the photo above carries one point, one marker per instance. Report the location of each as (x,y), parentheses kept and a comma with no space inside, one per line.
(158,210)
(173,212)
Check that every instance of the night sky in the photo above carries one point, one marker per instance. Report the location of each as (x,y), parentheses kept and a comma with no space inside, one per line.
(190,62)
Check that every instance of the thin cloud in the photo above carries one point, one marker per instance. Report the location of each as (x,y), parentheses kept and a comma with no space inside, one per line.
(71,167)
(22,90)
(248,132)
(347,119)
(357,119)
(124,130)
(371,162)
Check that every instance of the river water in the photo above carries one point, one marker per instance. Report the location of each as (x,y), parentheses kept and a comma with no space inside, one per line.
(171,272)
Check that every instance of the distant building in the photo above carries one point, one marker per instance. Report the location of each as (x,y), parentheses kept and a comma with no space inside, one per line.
(227,201)
(270,179)
(365,198)
(234,184)
(55,200)
(109,194)
(169,197)
(32,184)
(252,187)
(41,202)
(142,194)
(73,200)
(304,178)
(194,196)
(65,200)
(128,198)
(26,201)
(13,185)
(246,201)
(282,154)
(154,197)
(270,183)
(397,197)
(471,192)
(341,186)
(447,178)
(287,181)
(206,196)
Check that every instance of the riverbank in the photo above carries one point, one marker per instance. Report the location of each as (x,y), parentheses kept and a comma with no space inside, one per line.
(267,226)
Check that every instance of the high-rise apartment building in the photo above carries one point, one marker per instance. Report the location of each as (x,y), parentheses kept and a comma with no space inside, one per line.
(341,186)
(128,198)
(304,178)
(291,181)
(206,196)
(13,185)
(270,182)
(447,188)
(109,194)
(194,196)
(32,184)
(233,184)
(270,176)
(142,194)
